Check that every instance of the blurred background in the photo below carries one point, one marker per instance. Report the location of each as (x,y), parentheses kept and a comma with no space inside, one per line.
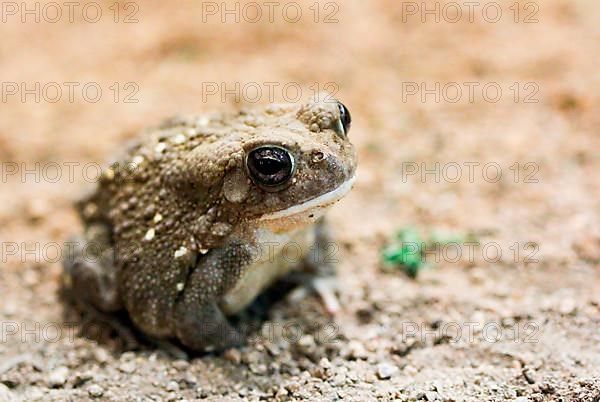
(472,120)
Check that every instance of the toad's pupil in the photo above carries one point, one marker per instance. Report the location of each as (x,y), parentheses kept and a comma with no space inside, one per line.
(270,166)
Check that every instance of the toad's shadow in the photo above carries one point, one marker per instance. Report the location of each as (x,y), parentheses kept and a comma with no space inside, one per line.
(117,332)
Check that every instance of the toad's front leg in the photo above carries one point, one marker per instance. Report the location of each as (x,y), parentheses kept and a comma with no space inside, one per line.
(199,322)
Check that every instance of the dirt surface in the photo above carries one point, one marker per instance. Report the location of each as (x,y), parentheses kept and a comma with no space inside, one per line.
(522,326)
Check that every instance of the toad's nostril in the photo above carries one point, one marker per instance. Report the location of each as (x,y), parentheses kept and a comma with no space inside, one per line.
(318,156)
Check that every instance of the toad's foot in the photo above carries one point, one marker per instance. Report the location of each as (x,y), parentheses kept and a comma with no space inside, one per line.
(326,288)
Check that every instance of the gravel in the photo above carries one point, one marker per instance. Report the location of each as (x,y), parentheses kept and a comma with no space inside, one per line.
(394,338)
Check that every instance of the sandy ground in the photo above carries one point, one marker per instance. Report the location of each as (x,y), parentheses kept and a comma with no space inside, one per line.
(522,326)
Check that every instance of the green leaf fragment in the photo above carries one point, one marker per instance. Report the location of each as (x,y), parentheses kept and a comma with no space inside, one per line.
(405,249)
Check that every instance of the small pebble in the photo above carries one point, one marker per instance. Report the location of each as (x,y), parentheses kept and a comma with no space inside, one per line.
(173,386)
(127,367)
(149,234)
(547,388)
(82,377)
(233,355)
(38,209)
(322,371)
(101,355)
(190,379)
(529,376)
(386,370)
(31,277)
(95,391)
(201,393)
(34,394)
(259,369)
(10,308)
(325,363)
(293,387)
(357,350)
(338,380)
(307,345)
(428,396)
(410,370)
(567,306)
(281,393)
(180,365)
(160,147)
(58,377)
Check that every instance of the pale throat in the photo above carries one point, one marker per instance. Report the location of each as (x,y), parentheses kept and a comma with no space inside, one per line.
(305,213)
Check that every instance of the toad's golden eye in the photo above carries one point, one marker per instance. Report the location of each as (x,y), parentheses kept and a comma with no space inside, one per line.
(270,166)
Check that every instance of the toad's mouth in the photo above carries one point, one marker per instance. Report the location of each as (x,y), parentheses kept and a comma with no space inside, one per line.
(317,203)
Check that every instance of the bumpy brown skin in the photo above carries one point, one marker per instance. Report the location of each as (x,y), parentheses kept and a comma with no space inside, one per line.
(174,221)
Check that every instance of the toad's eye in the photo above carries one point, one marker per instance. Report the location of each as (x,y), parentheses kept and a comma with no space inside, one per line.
(270,166)
(345,117)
